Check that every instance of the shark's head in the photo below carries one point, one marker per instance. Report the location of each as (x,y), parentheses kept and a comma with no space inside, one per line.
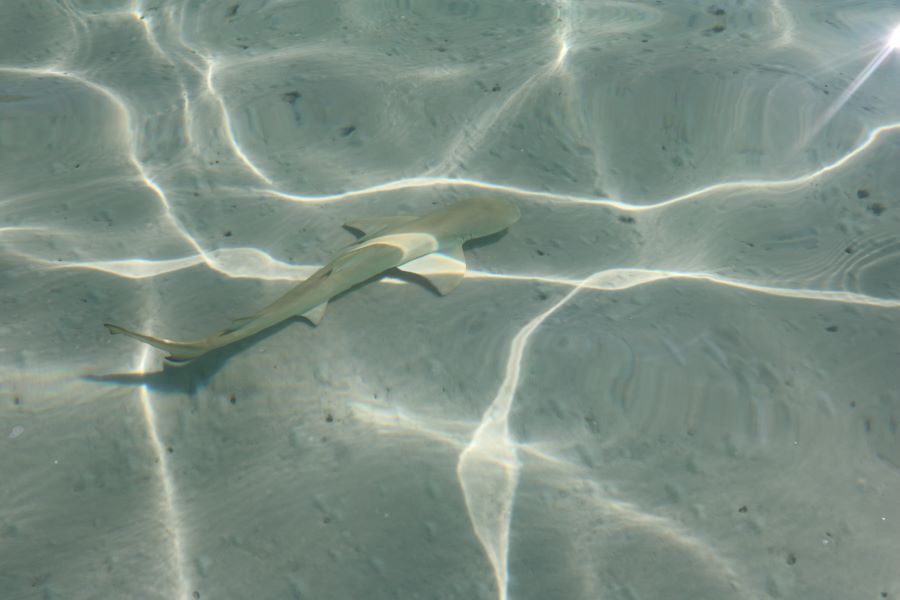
(483,215)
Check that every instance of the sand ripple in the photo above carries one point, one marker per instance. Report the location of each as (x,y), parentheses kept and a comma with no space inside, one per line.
(675,377)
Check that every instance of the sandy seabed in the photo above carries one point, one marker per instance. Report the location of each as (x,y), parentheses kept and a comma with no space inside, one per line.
(677,376)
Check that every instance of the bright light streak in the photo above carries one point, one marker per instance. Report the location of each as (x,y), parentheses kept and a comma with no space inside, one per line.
(894,41)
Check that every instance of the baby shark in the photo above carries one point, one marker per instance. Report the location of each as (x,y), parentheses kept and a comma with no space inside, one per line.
(429,246)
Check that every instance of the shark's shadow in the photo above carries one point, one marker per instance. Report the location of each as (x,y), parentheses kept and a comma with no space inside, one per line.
(486,240)
(188,377)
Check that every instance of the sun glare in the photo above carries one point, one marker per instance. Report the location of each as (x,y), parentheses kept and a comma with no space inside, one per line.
(894,42)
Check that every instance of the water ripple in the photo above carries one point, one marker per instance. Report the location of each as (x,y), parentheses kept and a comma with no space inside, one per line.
(673,373)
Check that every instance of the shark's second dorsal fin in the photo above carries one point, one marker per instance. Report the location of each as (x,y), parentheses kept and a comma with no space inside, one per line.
(372,226)
(443,270)
(237,324)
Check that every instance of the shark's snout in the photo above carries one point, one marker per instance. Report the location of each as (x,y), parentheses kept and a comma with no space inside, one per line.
(485,215)
(499,211)
(510,211)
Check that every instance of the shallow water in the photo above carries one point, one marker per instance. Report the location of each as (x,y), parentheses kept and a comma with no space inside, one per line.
(675,377)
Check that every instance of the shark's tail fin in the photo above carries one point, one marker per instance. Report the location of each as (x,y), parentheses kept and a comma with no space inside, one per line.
(179,352)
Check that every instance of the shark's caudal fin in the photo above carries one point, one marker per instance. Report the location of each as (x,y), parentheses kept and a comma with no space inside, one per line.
(178,351)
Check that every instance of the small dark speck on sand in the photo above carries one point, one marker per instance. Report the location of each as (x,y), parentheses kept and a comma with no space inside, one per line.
(831,328)
(791,559)
(233,399)
(626,219)
(227,233)
(345,131)
(329,418)
(743,509)
(876,208)
(863,193)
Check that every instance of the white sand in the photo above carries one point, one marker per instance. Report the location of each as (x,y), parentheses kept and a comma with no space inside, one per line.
(712,415)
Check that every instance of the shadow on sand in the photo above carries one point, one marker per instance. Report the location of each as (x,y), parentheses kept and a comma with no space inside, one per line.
(188,377)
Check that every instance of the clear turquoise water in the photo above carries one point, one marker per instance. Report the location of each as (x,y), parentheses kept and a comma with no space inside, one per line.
(675,377)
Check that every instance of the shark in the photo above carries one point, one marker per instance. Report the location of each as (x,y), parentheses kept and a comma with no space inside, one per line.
(430,246)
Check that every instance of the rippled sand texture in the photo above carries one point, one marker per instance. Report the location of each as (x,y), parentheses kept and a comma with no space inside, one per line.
(676,377)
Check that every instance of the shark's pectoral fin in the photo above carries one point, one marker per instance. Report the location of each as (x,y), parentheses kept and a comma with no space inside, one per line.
(315,315)
(443,270)
(372,226)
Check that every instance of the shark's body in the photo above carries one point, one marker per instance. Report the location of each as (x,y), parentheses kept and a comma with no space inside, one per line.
(430,246)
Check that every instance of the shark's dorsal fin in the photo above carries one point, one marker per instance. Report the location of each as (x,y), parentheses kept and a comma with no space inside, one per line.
(371,226)
(315,315)
(443,270)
